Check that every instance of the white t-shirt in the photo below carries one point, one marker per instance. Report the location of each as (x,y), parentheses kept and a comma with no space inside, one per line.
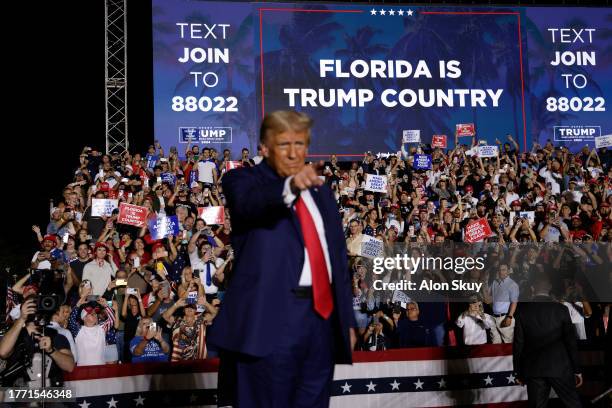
(475,332)
(205,171)
(42,265)
(90,345)
(100,277)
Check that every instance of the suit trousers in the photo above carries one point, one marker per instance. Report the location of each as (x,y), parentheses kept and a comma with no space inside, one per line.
(299,372)
(538,391)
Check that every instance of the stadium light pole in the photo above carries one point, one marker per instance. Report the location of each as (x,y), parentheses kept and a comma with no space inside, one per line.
(115,41)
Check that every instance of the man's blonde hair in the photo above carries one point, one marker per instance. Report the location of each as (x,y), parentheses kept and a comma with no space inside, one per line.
(282,121)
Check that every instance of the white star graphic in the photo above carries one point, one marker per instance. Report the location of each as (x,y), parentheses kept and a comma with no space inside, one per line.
(139,400)
(394,385)
(371,386)
(511,379)
(409,12)
(418,384)
(382,12)
(84,404)
(400,12)
(346,387)
(373,12)
(391,12)
(488,380)
(193,398)
(442,383)
(112,403)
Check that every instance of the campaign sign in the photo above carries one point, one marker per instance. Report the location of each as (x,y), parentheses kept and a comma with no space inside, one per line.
(422,162)
(168,178)
(465,129)
(101,207)
(399,296)
(488,151)
(371,247)
(477,230)
(212,215)
(376,183)
(231,165)
(164,226)
(411,136)
(439,141)
(130,214)
(603,141)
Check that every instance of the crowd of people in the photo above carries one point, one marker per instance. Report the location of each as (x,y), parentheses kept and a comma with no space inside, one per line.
(125,296)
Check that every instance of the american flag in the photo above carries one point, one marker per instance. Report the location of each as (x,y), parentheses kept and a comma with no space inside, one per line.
(420,377)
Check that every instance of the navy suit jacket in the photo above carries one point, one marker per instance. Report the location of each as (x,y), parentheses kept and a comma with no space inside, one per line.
(269,248)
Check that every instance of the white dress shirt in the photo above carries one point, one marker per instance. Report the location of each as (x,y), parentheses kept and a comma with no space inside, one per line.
(289,198)
(474,328)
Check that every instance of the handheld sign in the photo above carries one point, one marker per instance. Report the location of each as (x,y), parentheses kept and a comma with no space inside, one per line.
(439,141)
(164,226)
(465,129)
(212,215)
(230,165)
(422,162)
(603,141)
(477,231)
(168,178)
(411,136)
(132,215)
(488,151)
(376,183)
(371,247)
(101,207)
(399,296)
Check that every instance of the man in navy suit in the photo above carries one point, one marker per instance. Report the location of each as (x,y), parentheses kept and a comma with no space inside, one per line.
(287,314)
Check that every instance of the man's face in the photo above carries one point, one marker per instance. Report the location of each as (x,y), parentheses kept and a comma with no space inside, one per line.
(285,152)
(47,245)
(83,251)
(355,228)
(206,154)
(503,271)
(91,319)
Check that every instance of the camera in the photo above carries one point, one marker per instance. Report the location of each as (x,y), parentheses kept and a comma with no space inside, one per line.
(47,303)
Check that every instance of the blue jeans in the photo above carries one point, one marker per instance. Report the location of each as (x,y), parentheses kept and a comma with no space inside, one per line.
(119,340)
(436,335)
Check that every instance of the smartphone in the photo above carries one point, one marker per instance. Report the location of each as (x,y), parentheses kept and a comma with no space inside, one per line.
(131,291)
(137,262)
(196,273)
(65,238)
(200,308)
(121,282)
(153,326)
(92,298)
(159,179)
(109,303)
(192,298)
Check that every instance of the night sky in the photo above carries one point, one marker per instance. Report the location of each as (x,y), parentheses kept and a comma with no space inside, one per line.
(55,58)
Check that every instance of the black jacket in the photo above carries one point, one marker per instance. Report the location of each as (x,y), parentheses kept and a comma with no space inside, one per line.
(544,340)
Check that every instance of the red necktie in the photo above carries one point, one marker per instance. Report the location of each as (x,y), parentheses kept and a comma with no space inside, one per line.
(321,289)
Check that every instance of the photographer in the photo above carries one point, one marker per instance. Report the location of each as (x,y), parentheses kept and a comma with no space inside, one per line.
(24,341)
(148,345)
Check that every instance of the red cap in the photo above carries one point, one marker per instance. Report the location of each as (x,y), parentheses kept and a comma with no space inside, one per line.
(101,245)
(104,186)
(51,238)
(575,217)
(469,188)
(156,246)
(515,202)
(33,287)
